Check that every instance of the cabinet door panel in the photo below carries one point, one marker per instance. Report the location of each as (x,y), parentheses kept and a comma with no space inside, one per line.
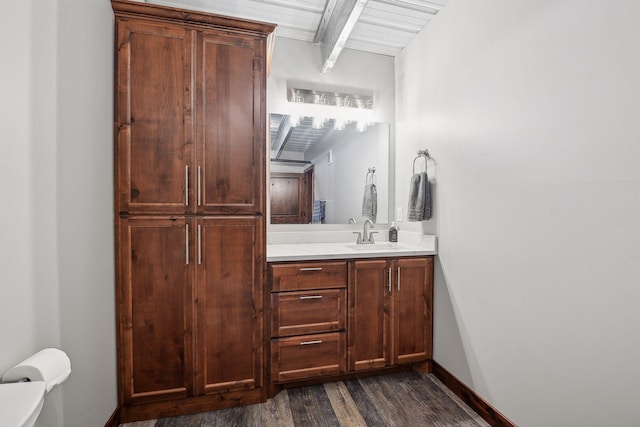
(155,310)
(412,310)
(229,304)
(230,124)
(369,316)
(154,107)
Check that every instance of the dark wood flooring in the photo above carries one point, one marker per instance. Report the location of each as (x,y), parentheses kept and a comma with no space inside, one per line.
(403,399)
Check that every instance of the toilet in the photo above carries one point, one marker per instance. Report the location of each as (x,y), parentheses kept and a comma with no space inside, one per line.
(21,403)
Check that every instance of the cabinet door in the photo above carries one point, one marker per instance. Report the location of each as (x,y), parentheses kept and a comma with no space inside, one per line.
(229,304)
(290,198)
(369,345)
(155,315)
(230,124)
(153,118)
(412,308)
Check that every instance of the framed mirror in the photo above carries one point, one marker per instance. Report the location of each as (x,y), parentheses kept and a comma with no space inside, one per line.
(320,172)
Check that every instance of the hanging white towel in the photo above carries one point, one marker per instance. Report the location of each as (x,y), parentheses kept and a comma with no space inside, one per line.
(419,198)
(370,202)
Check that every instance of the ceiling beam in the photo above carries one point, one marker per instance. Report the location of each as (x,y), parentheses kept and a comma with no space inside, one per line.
(324,21)
(280,140)
(337,29)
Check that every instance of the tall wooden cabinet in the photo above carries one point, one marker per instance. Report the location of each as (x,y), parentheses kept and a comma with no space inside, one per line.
(189,204)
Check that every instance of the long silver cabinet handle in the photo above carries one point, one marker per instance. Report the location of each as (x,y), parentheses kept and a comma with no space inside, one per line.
(398,278)
(199,186)
(389,279)
(199,244)
(186,243)
(311,269)
(186,185)
(311,342)
(311,297)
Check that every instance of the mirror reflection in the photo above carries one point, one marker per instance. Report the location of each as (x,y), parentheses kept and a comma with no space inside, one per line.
(328,172)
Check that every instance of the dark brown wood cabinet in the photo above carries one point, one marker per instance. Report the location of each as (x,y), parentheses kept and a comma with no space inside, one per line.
(308,320)
(369,315)
(230,124)
(189,202)
(291,197)
(390,312)
(154,124)
(387,321)
(154,293)
(190,108)
(412,311)
(229,304)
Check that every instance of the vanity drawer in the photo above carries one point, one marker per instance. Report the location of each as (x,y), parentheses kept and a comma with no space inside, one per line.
(293,277)
(308,356)
(298,313)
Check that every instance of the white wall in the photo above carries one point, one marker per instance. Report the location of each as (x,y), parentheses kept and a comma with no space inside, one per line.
(85,208)
(531,111)
(29,318)
(338,182)
(18,312)
(297,63)
(56,177)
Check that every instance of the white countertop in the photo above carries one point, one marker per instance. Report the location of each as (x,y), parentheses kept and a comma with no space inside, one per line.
(349,250)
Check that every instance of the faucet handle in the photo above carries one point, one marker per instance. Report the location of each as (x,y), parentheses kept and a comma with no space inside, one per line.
(359,241)
(371,233)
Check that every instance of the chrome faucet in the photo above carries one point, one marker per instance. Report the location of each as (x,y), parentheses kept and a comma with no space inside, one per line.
(366,238)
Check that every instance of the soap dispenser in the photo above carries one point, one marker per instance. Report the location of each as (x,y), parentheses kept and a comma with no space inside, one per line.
(393,232)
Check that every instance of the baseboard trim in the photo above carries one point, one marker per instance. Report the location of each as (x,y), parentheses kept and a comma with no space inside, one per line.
(114,421)
(468,396)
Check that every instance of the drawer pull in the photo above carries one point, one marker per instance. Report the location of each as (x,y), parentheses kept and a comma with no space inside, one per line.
(311,342)
(311,269)
(310,297)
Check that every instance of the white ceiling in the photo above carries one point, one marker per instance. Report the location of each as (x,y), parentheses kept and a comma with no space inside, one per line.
(384,26)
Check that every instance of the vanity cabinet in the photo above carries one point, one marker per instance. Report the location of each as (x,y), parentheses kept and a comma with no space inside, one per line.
(387,321)
(308,320)
(390,312)
(189,206)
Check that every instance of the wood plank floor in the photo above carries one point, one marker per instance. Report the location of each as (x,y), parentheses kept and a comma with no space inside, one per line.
(403,399)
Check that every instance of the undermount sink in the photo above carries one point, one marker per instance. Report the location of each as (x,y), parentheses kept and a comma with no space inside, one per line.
(382,246)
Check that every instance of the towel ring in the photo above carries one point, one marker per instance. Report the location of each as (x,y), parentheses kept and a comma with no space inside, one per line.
(421,154)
